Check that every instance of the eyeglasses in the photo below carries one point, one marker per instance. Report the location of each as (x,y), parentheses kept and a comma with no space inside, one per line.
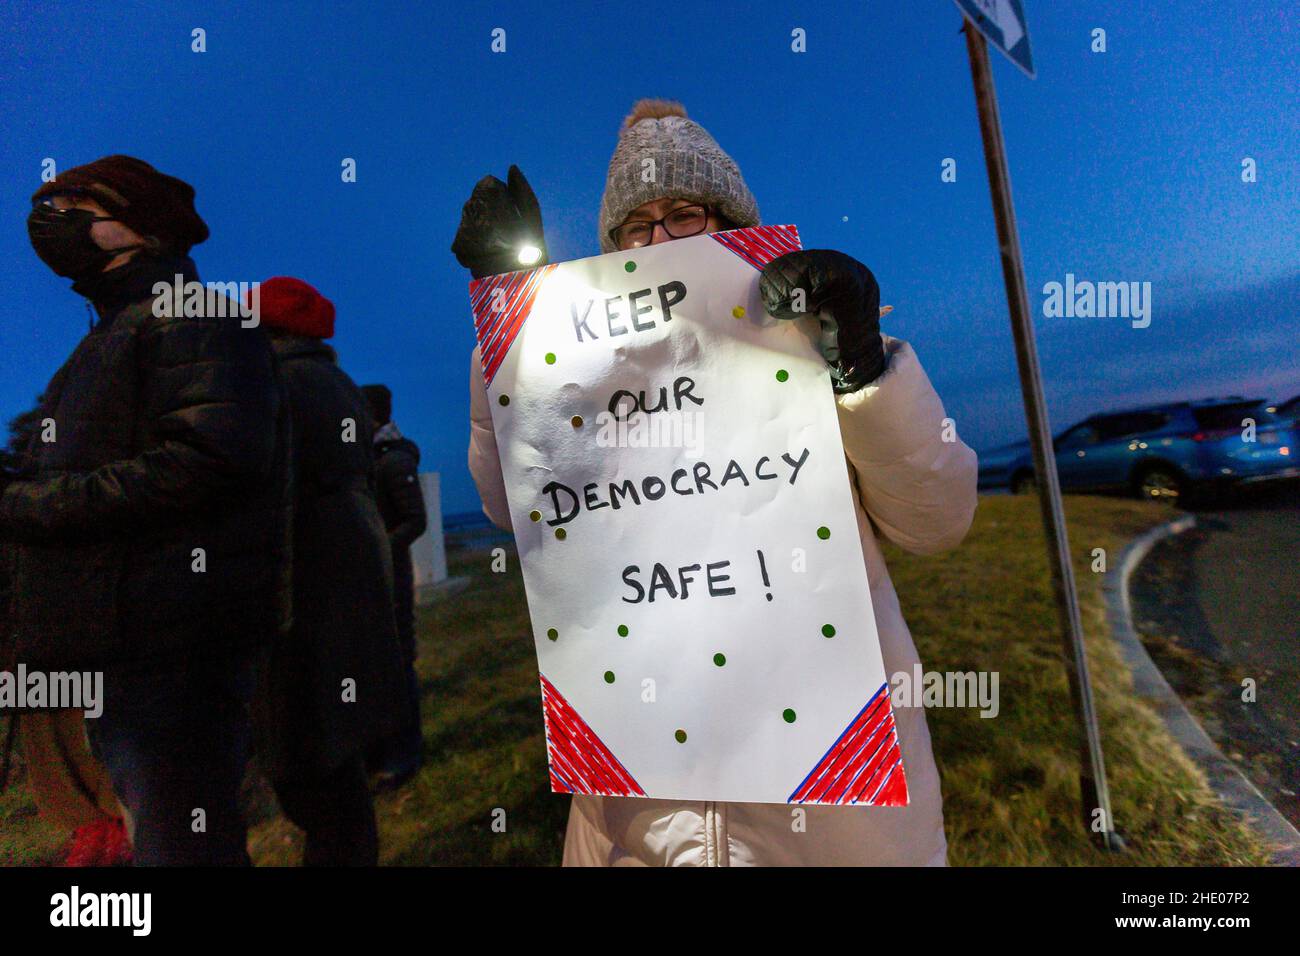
(71,196)
(681,222)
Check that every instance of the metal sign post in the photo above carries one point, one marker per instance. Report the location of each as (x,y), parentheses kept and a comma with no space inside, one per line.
(1092,773)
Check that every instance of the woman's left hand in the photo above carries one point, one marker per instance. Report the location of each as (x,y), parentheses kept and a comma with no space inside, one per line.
(842,293)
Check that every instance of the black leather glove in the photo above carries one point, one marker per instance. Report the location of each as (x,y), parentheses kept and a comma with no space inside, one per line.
(844,296)
(497,221)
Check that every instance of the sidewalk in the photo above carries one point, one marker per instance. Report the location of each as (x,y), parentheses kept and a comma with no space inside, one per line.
(1228,782)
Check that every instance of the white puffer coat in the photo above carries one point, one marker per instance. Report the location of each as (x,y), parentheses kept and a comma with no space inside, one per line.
(919,491)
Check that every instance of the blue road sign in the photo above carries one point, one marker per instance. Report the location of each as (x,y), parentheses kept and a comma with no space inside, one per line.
(1003,24)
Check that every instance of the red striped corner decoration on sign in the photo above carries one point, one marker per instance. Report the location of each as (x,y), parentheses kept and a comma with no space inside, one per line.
(759,245)
(500,304)
(579,760)
(863,766)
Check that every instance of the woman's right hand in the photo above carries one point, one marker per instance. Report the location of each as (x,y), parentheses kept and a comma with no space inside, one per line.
(498,220)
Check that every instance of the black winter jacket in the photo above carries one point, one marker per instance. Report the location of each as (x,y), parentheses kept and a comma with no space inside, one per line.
(401,502)
(308,720)
(151,512)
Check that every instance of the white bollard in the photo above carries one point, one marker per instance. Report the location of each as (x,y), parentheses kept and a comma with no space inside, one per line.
(428,552)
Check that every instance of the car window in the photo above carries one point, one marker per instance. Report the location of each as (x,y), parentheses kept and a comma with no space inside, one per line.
(1149,422)
(1076,436)
(1114,427)
(1230,414)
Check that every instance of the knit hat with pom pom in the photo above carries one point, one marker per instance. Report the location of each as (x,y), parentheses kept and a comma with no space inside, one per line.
(688,164)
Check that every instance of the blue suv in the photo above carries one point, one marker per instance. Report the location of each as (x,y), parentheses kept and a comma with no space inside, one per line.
(1165,451)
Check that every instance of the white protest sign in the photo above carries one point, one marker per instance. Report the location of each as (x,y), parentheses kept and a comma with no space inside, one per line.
(686,530)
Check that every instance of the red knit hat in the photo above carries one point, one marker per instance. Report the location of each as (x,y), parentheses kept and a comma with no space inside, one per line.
(294,306)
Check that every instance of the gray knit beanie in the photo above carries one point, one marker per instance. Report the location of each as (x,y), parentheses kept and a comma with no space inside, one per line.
(688,164)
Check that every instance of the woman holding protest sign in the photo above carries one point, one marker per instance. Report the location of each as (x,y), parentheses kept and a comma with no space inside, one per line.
(913,481)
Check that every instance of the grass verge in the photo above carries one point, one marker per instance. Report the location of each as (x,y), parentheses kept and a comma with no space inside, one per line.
(1010,783)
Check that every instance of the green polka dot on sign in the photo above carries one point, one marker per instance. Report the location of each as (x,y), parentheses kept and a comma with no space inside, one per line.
(629,266)
(552,633)
(535,515)
(680,736)
(622,630)
(550,358)
(720,659)
(504,400)
(823,532)
(738,312)
(782,375)
(788,715)
(828,630)
(609,677)
(561,534)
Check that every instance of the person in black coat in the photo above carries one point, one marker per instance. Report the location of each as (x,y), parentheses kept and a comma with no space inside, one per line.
(397,474)
(148,508)
(336,687)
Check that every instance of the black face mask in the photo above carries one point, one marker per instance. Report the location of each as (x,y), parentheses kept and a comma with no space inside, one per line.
(61,237)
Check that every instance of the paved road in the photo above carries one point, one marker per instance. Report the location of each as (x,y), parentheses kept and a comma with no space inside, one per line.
(1221,604)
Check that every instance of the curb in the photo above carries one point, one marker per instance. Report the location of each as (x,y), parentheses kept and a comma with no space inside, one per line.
(1230,784)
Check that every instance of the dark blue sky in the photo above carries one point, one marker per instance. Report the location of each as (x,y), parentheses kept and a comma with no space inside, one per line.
(1126,166)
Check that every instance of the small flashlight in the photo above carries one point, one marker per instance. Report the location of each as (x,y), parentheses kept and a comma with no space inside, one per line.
(529,255)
